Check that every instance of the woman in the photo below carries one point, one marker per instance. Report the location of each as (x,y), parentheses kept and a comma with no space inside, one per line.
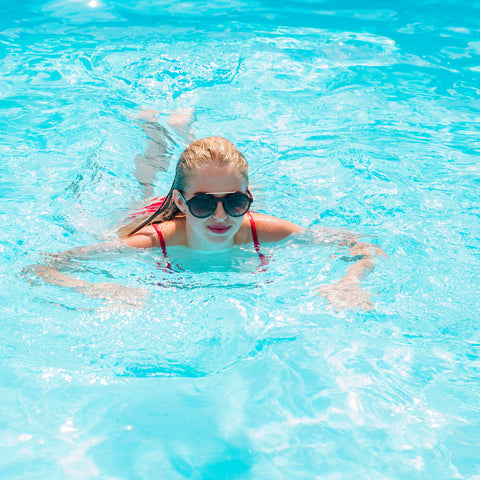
(208,208)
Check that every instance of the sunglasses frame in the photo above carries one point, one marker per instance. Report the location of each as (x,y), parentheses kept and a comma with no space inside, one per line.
(221,199)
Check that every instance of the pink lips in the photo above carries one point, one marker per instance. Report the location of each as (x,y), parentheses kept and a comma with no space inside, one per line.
(219,228)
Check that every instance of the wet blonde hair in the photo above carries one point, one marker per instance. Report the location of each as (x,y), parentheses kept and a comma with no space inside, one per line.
(210,150)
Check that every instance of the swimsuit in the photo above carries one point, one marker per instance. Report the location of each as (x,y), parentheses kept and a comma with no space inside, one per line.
(149,209)
(256,243)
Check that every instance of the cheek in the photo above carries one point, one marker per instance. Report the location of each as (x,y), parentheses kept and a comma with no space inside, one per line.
(191,220)
(194,223)
(237,223)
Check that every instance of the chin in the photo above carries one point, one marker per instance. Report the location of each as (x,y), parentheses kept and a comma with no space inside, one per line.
(224,240)
(220,239)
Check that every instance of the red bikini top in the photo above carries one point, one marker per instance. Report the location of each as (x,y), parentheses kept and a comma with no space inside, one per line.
(256,243)
(153,207)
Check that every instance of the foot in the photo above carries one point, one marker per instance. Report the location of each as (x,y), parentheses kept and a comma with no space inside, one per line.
(148,115)
(181,123)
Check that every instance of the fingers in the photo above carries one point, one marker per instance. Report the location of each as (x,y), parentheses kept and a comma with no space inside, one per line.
(367,305)
(148,115)
(342,297)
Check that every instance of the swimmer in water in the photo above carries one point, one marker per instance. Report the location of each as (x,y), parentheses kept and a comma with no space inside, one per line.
(208,208)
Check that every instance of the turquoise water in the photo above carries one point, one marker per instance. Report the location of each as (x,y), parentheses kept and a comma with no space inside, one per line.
(361,117)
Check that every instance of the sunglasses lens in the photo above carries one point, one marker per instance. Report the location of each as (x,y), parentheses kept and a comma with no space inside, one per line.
(202,206)
(236,204)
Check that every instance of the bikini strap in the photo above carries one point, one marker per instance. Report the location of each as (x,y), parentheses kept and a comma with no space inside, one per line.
(256,244)
(161,238)
(264,259)
(165,266)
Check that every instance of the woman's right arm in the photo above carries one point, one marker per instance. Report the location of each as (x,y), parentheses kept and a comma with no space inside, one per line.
(146,238)
(54,271)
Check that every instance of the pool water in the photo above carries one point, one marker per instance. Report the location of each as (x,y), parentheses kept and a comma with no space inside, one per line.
(362,117)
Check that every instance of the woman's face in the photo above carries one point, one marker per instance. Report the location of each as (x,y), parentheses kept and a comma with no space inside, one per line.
(215,232)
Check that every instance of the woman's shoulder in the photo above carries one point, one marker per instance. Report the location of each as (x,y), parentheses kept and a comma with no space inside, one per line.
(269,228)
(173,232)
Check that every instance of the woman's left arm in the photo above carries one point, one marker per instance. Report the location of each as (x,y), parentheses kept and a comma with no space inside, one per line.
(347,293)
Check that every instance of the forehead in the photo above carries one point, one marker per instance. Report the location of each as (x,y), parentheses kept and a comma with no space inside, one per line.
(215,178)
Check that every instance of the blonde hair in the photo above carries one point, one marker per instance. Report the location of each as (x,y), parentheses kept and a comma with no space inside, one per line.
(210,150)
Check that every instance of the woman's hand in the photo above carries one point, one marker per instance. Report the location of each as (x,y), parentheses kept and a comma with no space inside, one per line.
(118,295)
(115,295)
(346,295)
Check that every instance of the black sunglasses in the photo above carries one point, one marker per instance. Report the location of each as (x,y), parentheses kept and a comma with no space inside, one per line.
(203,205)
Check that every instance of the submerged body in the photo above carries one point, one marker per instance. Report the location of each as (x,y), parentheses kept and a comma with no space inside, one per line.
(207,209)
(218,231)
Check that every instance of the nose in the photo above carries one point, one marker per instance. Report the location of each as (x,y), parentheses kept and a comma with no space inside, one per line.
(220,214)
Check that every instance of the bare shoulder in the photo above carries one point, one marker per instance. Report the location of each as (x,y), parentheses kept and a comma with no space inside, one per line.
(273,229)
(173,232)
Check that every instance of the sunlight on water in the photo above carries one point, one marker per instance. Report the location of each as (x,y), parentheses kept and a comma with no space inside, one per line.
(351,117)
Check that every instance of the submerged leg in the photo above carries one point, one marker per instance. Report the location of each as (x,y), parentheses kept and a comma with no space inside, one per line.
(159,145)
(157,155)
(181,122)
